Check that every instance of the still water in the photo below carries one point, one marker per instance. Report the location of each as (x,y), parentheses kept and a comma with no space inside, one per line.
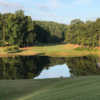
(41,67)
(58,71)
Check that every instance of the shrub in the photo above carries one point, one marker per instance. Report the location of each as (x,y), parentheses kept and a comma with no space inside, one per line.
(3,43)
(13,49)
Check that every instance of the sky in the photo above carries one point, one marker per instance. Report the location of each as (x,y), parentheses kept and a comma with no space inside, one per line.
(55,72)
(62,11)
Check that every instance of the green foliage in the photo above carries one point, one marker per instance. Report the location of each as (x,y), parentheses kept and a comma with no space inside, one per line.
(12,49)
(49,32)
(21,30)
(3,43)
(85,34)
(76,21)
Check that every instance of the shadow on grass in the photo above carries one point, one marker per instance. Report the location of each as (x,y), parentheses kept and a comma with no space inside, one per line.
(15,51)
(50,44)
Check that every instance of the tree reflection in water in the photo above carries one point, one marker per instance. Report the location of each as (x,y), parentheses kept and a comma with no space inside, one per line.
(30,67)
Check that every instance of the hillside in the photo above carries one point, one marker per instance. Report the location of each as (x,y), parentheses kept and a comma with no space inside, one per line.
(88,88)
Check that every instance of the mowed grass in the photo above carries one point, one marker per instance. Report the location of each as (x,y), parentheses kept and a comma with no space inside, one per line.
(63,50)
(81,88)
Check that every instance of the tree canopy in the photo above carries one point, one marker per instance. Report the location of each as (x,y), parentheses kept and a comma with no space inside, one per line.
(84,33)
(17,28)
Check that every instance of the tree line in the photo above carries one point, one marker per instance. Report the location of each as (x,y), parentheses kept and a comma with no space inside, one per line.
(84,33)
(19,29)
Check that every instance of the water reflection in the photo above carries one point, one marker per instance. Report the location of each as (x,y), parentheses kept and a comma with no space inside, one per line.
(83,66)
(58,71)
(32,66)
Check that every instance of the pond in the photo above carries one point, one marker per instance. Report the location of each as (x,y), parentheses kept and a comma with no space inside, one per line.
(41,67)
(58,71)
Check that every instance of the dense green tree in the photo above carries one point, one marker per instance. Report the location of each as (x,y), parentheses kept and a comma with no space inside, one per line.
(76,21)
(19,29)
(49,32)
(84,33)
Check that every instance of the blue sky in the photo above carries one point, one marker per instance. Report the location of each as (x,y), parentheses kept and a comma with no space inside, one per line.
(62,11)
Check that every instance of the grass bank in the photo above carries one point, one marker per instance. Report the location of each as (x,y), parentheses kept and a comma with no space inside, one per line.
(64,50)
(81,88)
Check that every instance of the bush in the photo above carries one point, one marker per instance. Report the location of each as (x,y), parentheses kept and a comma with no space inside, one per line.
(3,43)
(12,49)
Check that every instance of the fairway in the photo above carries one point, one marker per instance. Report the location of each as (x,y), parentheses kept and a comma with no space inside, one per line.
(80,88)
(61,50)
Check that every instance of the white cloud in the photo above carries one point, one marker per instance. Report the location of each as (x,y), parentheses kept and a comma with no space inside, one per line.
(47,10)
(56,4)
(8,6)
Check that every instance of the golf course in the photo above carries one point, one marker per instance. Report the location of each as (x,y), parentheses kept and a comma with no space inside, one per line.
(49,50)
(80,88)
(60,50)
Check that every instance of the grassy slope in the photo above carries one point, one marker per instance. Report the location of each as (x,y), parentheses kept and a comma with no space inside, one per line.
(64,50)
(82,88)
